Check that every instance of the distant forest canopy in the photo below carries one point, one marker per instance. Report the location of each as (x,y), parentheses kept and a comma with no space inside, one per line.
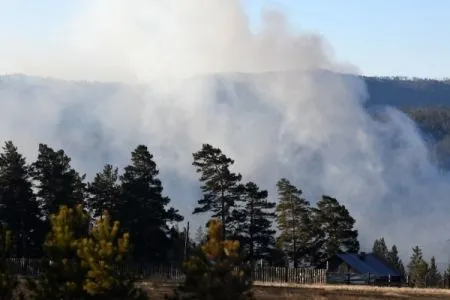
(405,92)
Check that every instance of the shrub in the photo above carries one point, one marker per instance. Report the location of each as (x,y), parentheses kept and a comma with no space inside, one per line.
(216,271)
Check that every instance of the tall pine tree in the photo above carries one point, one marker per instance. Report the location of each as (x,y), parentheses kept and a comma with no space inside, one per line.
(293,218)
(394,261)
(417,268)
(57,182)
(255,223)
(142,207)
(104,192)
(380,249)
(220,186)
(18,206)
(433,277)
(334,228)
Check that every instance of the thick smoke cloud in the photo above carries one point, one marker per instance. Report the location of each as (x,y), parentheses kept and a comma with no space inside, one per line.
(195,73)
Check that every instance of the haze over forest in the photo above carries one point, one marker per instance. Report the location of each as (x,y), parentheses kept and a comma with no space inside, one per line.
(265,99)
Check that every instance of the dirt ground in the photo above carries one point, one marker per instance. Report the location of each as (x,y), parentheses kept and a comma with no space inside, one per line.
(158,291)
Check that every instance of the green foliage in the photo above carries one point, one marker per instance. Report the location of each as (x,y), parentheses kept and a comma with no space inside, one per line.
(334,229)
(220,186)
(254,222)
(180,245)
(99,254)
(294,221)
(417,268)
(81,262)
(380,249)
(8,282)
(104,192)
(435,124)
(216,271)
(142,207)
(394,261)
(434,277)
(19,209)
(58,183)
(63,274)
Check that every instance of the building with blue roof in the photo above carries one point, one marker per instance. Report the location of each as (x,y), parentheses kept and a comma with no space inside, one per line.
(361,268)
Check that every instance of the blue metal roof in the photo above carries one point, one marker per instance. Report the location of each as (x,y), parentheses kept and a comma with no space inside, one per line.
(370,264)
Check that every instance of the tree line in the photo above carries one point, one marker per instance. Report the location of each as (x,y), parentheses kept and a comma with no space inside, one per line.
(31,192)
(420,273)
(289,231)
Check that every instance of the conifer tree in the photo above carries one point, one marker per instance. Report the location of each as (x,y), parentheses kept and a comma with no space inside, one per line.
(417,268)
(446,277)
(104,192)
(433,277)
(216,271)
(380,249)
(334,228)
(255,222)
(63,276)
(19,208)
(8,281)
(394,261)
(220,186)
(142,206)
(99,254)
(180,245)
(293,218)
(277,256)
(57,182)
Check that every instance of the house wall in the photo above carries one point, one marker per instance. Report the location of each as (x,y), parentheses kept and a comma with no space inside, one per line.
(336,265)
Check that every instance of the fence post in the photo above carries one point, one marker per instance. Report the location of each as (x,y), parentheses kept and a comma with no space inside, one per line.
(368,279)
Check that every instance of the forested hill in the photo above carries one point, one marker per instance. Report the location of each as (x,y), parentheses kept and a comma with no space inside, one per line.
(404,92)
(395,91)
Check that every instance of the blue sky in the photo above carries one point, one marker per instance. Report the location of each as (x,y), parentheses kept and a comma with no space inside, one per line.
(381,37)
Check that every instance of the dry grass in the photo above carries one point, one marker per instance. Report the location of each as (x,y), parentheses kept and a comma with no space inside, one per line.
(264,291)
(354,290)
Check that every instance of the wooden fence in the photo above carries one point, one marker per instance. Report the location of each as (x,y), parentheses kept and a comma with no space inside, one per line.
(289,275)
(170,273)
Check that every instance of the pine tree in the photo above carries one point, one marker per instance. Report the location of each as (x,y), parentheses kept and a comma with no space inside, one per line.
(446,277)
(99,253)
(380,249)
(293,218)
(255,223)
(180,245)
(417,268)
(216,271)
(142,207)
(104,192)
(19,208)
(8,282)
(277,256)
(58,183)
(220,186)
(433,277)
(334,227)
(394,261)
(63,276)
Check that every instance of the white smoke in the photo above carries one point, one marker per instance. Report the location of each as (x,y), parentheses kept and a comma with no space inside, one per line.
(264,98)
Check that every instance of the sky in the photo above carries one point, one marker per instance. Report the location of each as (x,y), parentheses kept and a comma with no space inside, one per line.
(383,37)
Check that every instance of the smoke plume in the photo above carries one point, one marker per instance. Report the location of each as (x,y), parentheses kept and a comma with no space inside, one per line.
(193,72)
